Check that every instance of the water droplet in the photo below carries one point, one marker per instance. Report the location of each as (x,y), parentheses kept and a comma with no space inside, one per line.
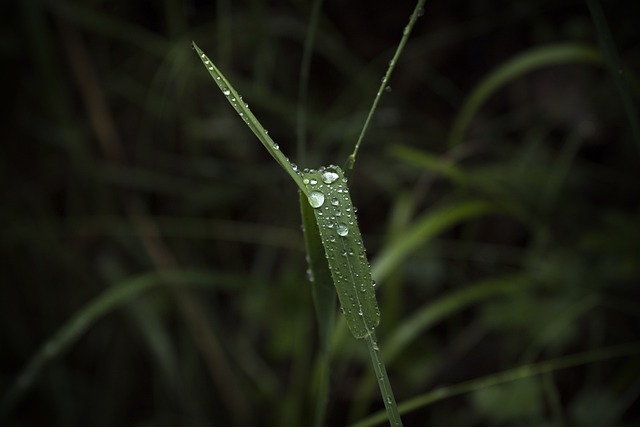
(329,177)
(226,91)
(310,276)
(341,228)
(316,199)
(360,312)
(313,182)
(265,131)
(294,167)
(387,89)
(276,147)
(335,202)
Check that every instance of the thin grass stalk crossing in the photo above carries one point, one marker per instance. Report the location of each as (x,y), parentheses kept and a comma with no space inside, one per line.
(417,12)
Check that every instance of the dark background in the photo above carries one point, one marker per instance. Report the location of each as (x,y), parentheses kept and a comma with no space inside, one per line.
(120,160)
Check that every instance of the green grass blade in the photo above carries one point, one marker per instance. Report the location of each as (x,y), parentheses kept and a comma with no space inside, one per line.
(383,381)
(424,229)
(614,64)
(324,300)
(515,67)
(417,12)
(431,314)
(303,84)
(319,273)
(509,375)
(242,108)
(338,229)
(72,330)
(431,162)
(345,252)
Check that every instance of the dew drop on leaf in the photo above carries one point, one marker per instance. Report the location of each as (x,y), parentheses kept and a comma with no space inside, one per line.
(341,228)
(329,177)
(226,91)
(316,199)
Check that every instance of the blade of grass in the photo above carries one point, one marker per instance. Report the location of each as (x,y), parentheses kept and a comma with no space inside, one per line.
(615,67)
(513,68)
(417,12)
(342,242)
(424,229)
(514,374)
(324,300)
(242,108)
(72,330)
(431,314)
(303,84)
(338,229)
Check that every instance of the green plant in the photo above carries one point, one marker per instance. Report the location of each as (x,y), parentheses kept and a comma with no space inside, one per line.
(335,236)
(153,264)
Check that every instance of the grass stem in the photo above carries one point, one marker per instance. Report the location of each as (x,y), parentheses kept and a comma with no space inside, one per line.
(383,380)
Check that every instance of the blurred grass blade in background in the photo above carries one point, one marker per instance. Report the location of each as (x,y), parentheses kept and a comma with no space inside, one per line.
(616,69)
(112,299)
(520,64)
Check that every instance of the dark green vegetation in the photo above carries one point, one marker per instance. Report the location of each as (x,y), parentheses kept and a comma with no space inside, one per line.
(153,267)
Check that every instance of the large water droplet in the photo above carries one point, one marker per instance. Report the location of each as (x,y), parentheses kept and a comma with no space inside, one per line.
(316,199)
(226,91)
(329,177)
(341,229)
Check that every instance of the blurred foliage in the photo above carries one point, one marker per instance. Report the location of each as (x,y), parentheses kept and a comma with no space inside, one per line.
(140,213)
